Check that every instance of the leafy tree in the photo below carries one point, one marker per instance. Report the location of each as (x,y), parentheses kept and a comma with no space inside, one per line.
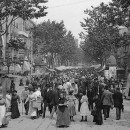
(102,36)
(52,37)
(49,35)
(117,14)
(123,3)
(69,49)
(10,10)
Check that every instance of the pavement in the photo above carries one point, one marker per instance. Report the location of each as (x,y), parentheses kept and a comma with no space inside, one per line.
(25,123)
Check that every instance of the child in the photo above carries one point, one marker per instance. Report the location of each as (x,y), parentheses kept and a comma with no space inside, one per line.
(84,111)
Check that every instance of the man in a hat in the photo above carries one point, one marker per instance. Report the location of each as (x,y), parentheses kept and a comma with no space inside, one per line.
(107,101)
(24,96)
(118,102)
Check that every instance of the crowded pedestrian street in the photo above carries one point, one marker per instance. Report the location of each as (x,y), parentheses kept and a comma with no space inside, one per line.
(25,123)
(64,64)
(49,124)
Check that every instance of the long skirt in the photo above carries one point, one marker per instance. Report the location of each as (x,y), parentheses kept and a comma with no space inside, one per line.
(72,109)
(32,110)
(98,117)
(63,118)
(84,110)
(14,110)
(2,113)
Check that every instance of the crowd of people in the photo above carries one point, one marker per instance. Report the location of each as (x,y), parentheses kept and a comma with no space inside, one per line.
(66,94)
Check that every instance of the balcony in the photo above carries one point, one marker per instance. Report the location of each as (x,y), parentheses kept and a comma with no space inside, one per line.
(22,34)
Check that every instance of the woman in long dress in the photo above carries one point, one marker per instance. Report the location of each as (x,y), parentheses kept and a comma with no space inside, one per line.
(98,105)
(84,110)
(14,105)
(63,118)
(37,96)
(32,110)
(2,109)
(71,105)
(8,101)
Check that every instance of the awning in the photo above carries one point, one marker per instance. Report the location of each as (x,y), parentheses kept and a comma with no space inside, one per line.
(95,66)
(50,70)
(62,68)
(14,76)
(120,69)
(36,74)
(22,34)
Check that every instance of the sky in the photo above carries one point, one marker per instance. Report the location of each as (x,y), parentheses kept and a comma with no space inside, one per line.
(70,11)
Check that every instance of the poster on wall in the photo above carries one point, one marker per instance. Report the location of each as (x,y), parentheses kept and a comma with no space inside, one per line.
(112,72)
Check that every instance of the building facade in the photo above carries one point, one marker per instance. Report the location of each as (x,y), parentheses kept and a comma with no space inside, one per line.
(123,53)
(19,29)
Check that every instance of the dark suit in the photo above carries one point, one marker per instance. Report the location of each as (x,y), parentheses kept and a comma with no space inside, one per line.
(50,100)
(47,100)
(55,100)
(44,96)
(107,101)
(90,96)
(118,100)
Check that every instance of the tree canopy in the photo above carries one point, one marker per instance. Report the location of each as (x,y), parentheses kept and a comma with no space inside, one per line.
(101,36)
(123,3)
(26,9)
(52,37)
